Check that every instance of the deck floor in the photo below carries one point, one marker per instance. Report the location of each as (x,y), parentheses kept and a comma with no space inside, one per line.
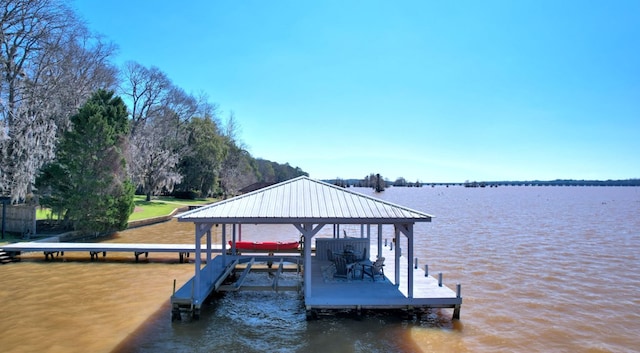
(365,293)
(328,292)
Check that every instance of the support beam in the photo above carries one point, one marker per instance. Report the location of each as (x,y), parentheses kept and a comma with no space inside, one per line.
(397,253)
(407,230)
(308,231)
(409,235)
(233,233)
(209,249)
(201,230)
(198,260)
(224,243)
(379,240)
(276,276)
(225,274)
(244,275)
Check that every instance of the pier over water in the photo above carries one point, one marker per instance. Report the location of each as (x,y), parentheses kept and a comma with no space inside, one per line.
(308,206)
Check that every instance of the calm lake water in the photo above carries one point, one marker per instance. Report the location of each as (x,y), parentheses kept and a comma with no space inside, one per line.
(543,269)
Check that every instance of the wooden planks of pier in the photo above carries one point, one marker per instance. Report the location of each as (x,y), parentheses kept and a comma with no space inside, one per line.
(51,249)
(357,294)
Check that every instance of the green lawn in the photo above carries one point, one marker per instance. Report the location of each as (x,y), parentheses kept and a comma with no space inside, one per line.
(158,206)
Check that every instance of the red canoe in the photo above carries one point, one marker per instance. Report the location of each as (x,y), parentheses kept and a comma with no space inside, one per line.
(266,245)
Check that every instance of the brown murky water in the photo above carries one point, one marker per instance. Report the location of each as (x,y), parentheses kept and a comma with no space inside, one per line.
(542,269)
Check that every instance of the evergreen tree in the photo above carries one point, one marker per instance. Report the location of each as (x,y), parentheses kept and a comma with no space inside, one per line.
(87,182)
(201,165)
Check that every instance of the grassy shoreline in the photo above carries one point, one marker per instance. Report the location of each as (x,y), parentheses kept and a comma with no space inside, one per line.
(157,207)
(160,206)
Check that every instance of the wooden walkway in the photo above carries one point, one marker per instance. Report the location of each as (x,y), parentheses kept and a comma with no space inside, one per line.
(51,249)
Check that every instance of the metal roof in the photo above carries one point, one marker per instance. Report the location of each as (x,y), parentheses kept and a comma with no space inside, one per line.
(304,200)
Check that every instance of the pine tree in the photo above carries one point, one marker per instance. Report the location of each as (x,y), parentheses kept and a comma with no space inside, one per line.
(88,181)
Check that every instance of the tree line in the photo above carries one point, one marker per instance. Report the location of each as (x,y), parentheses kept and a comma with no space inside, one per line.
(374,181)
(81,135)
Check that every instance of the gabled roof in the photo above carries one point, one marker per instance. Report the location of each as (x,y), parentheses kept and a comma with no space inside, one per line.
(304,200)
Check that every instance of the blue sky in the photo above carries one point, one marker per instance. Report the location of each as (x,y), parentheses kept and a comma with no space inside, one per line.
(437,91)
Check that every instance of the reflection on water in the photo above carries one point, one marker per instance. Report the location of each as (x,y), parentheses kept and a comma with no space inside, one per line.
(542,269)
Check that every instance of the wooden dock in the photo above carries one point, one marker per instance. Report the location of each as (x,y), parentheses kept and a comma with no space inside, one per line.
(358,294)
(309,205)
(51,249)
(227,273)
(326,293)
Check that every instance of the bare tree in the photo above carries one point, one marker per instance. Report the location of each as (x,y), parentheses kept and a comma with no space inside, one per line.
(159,113)
(238,168)
(28,28)
(145,88)
(49,65)
(154,166)
(178,108)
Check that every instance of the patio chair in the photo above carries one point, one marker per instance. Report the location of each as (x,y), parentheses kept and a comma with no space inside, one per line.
(376,268)
(329,255)
(342,268)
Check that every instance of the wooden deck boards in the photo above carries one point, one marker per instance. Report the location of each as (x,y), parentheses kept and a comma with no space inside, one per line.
(352,293)
(49,248)
(423,287)
(100,247)
(380,294)
(209,275)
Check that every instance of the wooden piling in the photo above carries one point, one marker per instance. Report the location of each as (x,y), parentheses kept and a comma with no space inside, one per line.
(456,309)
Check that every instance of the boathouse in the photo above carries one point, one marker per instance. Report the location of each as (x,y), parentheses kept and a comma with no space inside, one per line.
(310,206)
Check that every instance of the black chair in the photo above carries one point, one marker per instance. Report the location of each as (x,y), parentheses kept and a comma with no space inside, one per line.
(329,255)
(342,268)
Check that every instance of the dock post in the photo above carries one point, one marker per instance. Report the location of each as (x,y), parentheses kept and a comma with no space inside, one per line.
(456,309)
(426,270)
(456,312)
(440,279)
(415,266)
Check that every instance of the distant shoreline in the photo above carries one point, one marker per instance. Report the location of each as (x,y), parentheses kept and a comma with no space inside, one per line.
(557,182)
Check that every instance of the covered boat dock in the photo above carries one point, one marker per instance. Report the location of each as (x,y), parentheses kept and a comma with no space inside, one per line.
(309,206)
